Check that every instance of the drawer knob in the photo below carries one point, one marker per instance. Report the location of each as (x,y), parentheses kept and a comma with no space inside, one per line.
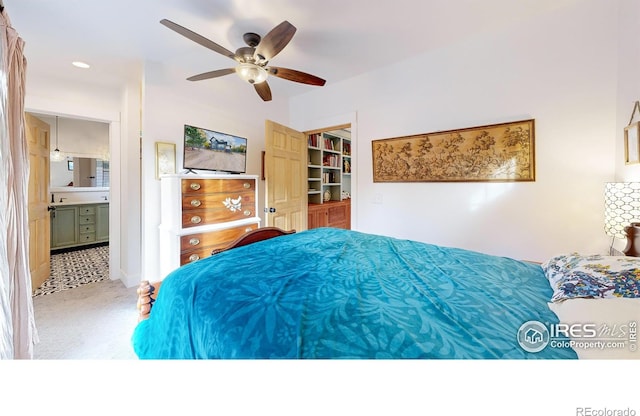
(246,230)
(247,213)
(196,203)
(194,241)
(246,185)
(196,219)
(194,257)
(194,186)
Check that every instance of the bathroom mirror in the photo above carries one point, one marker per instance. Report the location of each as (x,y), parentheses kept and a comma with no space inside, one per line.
(79,172)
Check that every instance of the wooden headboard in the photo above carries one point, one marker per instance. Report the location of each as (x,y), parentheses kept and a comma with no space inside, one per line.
(148,291)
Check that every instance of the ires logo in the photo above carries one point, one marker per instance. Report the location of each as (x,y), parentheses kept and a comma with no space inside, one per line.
(573,330)
(534,336)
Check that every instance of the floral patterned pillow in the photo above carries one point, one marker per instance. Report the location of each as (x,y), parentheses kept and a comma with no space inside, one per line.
(595,276)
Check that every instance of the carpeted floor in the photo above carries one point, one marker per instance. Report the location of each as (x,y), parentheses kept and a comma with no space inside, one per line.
(92,322)
(84,315)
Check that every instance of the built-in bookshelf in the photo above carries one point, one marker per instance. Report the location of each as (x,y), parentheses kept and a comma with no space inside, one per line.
(329,166)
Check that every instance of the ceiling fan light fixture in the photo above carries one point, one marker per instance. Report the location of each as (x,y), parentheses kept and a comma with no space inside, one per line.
(251,60)
(251,73)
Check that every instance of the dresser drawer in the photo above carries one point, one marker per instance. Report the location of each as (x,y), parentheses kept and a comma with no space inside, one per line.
(86,219)
(197,246)
(87,210)
(87,228)
(206,186)
(197,217)
(87,238)
(214,238)
(232,201)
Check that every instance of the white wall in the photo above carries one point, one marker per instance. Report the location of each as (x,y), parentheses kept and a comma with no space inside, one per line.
(628,89)
(628,83)
(559,69)
(169,102)
(60,175)
(128,223)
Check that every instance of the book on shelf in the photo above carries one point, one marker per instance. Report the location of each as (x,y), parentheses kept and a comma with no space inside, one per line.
(328,144)
(331,161)
(314,140)
(330,177)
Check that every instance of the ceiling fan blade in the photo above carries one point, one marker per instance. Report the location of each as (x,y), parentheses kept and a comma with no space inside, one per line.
(198,38)
(297,76)
(263,90)
(212,74)
(274,41)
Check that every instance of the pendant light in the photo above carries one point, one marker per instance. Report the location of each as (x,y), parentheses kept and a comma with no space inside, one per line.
(56,155)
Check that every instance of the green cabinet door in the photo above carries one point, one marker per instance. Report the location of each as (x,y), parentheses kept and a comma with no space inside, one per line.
(64,226)
(102,222)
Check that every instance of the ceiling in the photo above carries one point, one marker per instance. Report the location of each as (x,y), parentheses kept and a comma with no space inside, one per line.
(335,39)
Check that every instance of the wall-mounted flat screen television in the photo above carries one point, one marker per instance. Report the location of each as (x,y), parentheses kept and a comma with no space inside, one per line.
(214,151)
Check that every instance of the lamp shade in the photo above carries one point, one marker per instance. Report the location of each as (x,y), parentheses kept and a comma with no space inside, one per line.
(57,156)
(621,207)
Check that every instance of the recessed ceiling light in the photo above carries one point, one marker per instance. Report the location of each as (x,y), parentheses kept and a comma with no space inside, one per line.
(80,64)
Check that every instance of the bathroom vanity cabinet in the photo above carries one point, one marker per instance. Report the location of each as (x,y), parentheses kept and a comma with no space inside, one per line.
(74,225)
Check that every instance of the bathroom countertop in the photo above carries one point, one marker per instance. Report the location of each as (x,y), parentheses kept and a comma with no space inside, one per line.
(59,204)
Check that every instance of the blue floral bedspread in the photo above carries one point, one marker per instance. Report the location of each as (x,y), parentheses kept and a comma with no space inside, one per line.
(333,293)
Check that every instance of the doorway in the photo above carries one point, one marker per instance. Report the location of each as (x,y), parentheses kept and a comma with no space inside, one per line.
(310,176)
(78,197)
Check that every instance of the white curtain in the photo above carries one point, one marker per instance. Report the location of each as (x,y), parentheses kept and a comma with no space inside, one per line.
(17,324)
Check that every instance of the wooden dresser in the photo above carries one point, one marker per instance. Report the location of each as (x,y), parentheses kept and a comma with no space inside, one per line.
(200,213)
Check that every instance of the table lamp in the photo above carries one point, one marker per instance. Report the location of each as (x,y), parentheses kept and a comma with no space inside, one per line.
(622,214)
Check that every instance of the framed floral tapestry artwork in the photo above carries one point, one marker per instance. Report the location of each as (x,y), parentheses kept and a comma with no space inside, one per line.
(493,153)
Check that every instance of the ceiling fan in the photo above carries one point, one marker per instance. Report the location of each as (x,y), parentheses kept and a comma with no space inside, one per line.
(252,59)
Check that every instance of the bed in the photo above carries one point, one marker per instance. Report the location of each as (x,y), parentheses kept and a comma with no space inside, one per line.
(329,293)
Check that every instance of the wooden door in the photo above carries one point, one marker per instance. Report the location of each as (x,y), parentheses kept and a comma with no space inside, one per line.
(38,142)
(286,177)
